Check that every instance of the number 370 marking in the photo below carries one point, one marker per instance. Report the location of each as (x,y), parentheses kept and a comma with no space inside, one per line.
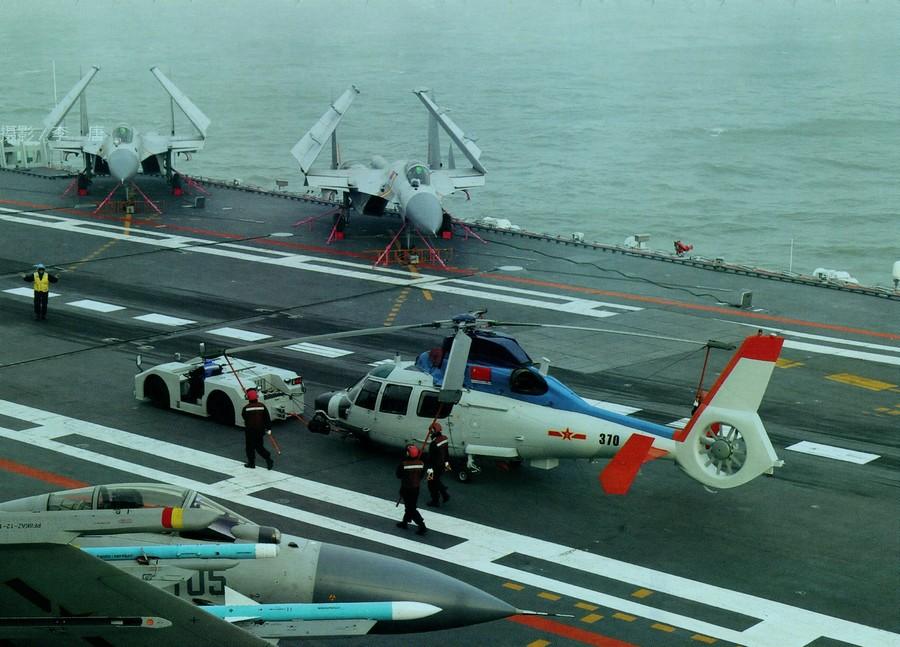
(609,439)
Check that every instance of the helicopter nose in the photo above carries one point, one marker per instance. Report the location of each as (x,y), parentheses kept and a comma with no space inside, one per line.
(322,401)
(350,575)
(424,211)
(123,164)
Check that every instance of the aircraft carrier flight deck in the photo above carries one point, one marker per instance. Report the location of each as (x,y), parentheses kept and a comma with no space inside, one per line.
(804,557)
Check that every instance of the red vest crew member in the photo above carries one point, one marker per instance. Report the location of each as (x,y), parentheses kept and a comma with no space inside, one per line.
(410,474)
(40,280)
(256,426)
(438,463)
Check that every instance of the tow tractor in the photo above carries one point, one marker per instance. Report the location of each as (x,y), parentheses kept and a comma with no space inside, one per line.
(215,387)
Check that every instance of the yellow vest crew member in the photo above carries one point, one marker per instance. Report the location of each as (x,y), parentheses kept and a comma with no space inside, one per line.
(41,280)
(256,426)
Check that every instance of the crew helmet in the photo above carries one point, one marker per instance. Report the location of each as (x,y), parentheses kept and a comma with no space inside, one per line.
(251,395)
(412,451)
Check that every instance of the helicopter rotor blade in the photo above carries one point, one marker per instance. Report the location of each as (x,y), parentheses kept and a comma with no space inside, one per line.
(362,332)
(603,330)
(455,373)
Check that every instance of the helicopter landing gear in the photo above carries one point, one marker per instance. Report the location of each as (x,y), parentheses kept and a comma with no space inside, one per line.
(465,473)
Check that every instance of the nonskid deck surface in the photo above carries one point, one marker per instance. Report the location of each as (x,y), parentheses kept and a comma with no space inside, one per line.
(810,540)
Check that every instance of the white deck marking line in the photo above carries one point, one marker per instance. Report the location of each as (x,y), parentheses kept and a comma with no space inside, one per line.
(842,352)
(237,333)
(335,267)
(28,292)
(837,453)
(612,406)
(780,625)
(679,424)
(99,306)
(322,351)
(164,320)
(506,288)
(831,340)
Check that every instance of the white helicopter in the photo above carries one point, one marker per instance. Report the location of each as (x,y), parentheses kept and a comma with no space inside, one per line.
(494,402)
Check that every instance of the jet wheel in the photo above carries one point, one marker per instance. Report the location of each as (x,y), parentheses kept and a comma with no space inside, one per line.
(722,449)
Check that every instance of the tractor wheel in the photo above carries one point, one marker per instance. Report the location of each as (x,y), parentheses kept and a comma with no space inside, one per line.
(157,391)
(463,475)
(220,408)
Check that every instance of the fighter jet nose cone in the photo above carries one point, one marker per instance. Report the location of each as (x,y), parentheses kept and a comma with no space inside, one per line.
(350,575)
(424,211)
(123,164)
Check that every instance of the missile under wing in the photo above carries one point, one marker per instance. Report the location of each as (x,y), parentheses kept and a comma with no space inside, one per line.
(55,593)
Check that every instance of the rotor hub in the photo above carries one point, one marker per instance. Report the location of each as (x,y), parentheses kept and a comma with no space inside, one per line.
(721,449)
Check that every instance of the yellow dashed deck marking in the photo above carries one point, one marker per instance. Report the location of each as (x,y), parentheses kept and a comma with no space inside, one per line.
(618,615)
(641,593)
(787,363)
(549,596)
(703,639)
(415,272)
(586,606)
(861,382)
(539,643)
(92,256)
(513,586)
(591,618)
(395,308)
(660,627)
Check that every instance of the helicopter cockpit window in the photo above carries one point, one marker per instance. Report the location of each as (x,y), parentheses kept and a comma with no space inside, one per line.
(368,394)
(382,371)
(122,134)
(395,399)
(527,382)
(429,407)
(418,171)
(81,499)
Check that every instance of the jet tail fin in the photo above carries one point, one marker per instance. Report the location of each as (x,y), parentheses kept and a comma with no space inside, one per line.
(434,143)
(310,145)
(59,113)
(725,443)
(466,145)
(191,111)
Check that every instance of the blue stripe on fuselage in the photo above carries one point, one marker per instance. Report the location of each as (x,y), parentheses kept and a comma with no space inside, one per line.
(558,396)
(561,397)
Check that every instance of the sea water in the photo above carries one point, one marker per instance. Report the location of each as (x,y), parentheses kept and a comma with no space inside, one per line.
(764,132)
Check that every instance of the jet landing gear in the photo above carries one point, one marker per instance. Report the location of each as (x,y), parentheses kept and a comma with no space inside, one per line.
(84,183)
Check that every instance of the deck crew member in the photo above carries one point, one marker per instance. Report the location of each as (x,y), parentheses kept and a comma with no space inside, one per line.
(41,280)
(409,471)
(438,461)
(256,426)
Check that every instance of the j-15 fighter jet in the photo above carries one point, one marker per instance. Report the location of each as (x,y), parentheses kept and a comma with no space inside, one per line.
(414,188)
(126,150)
(179,563)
